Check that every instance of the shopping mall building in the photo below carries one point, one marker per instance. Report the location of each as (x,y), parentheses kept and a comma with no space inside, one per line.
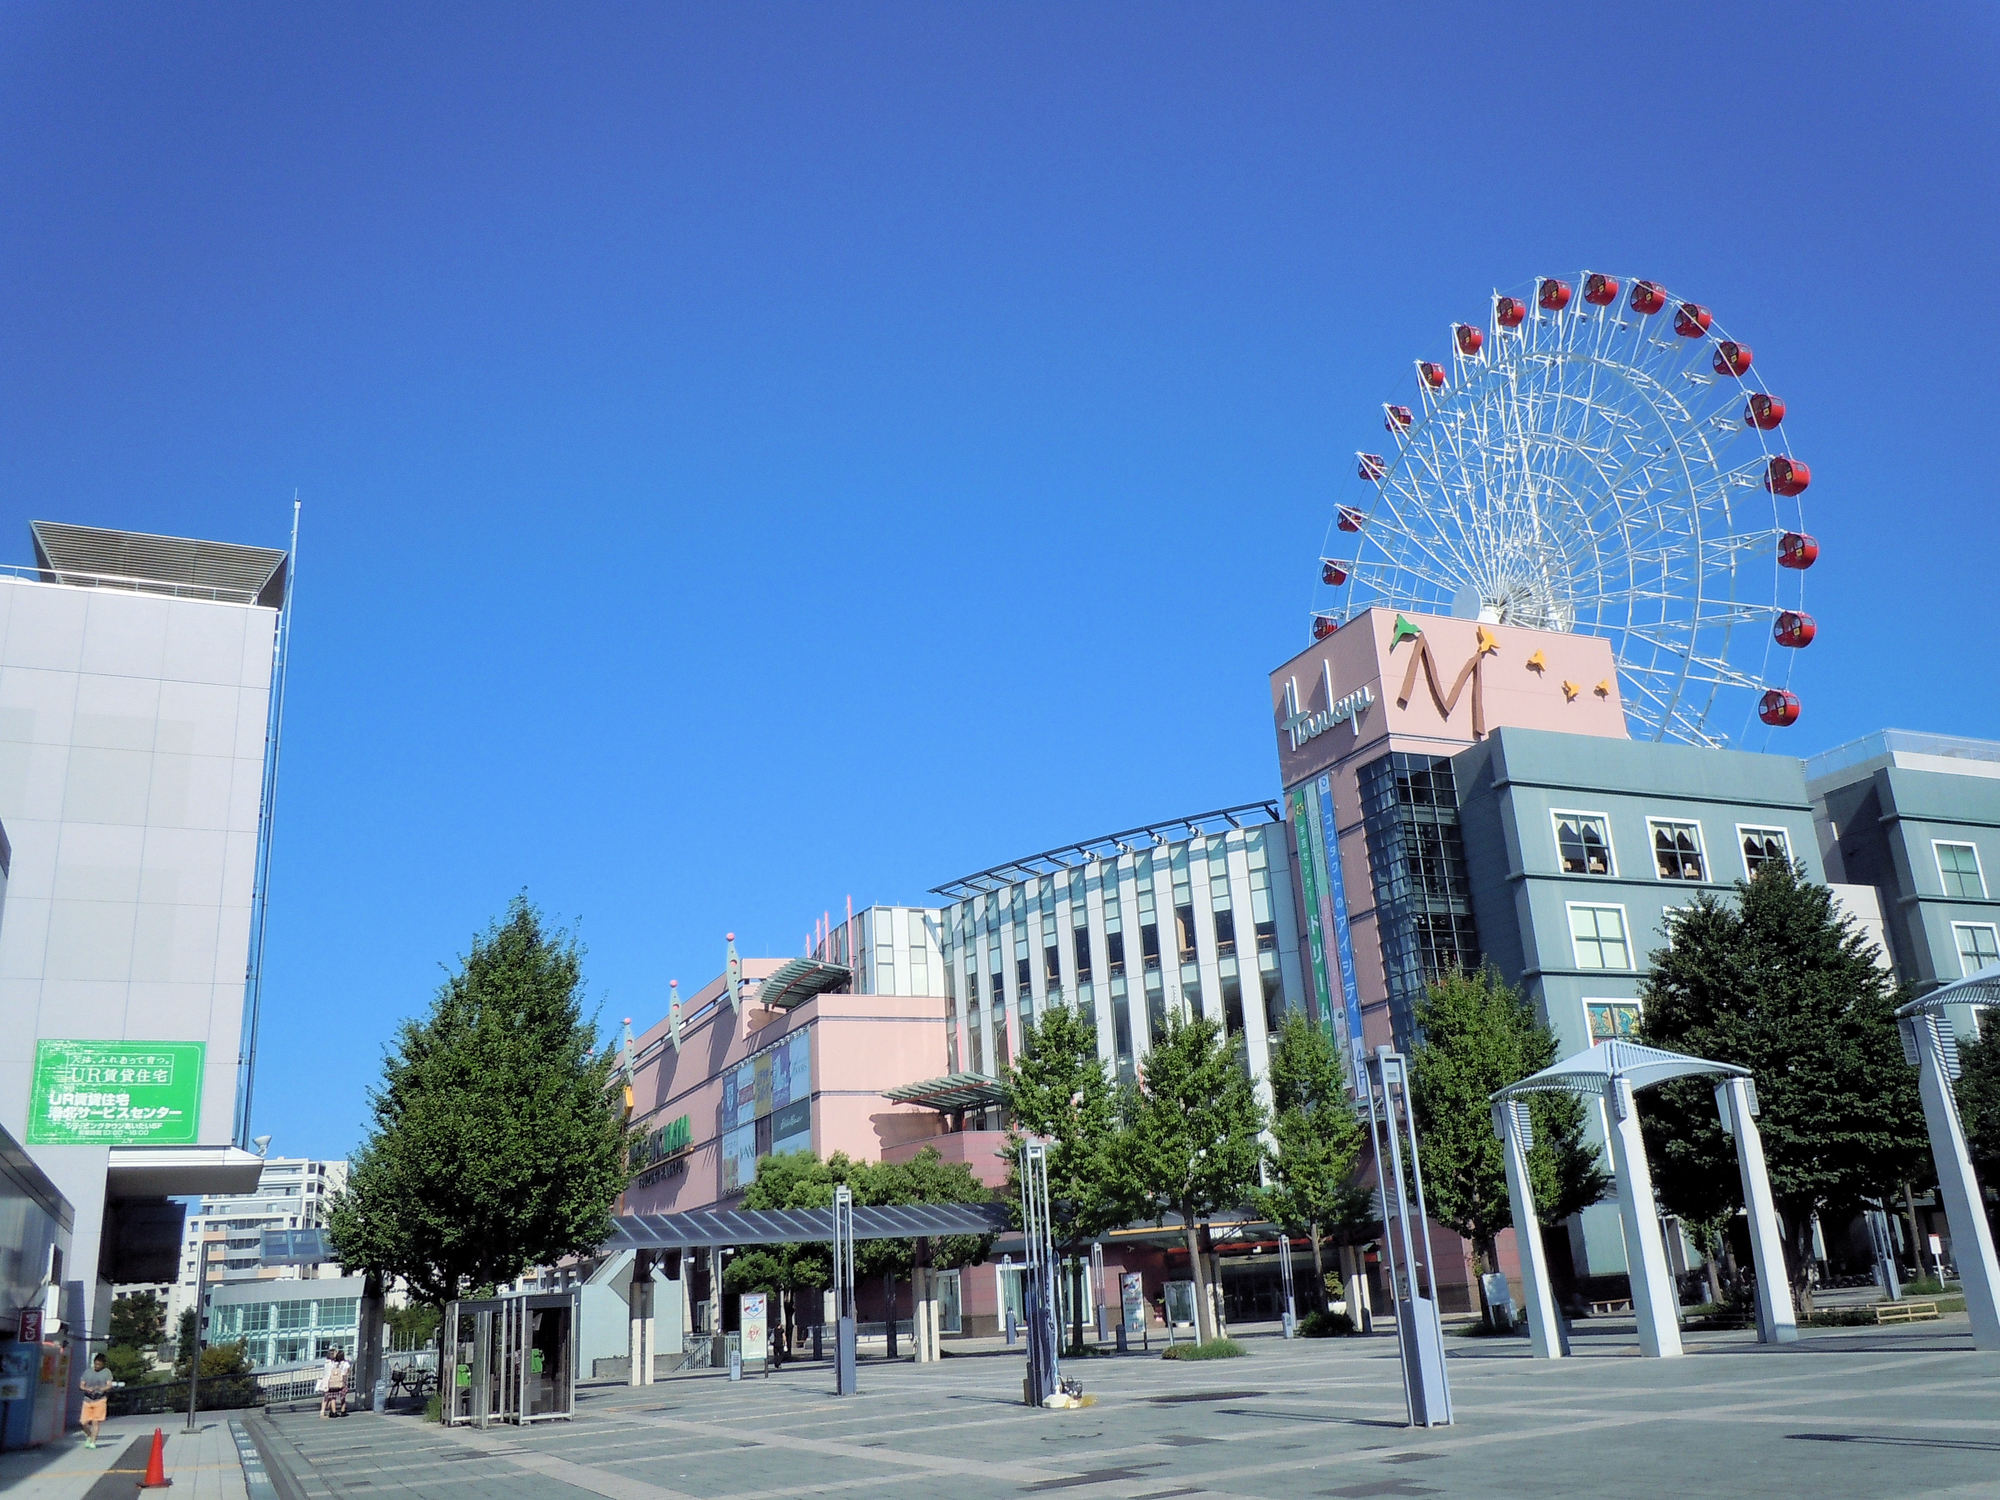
(1452,794)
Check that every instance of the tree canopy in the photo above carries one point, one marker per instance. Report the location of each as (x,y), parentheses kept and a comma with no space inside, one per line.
(799,1179)
(1478,1036)
(496,1141)
(1060,1091)
(1316,1137)
(1193,1146)
(138,1321)
(1778,981)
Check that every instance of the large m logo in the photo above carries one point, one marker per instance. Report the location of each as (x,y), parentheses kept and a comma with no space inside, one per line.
(1446,702)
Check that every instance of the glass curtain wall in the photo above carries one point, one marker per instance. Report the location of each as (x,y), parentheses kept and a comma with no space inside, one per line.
(1198,925)
(1416,860)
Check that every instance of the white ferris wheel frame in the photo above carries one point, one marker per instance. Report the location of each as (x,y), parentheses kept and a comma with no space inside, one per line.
(1589,470)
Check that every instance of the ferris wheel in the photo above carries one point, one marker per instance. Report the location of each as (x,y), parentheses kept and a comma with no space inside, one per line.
(1598,459)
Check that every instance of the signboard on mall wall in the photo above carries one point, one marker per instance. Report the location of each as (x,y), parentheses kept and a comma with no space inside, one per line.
(112,1093)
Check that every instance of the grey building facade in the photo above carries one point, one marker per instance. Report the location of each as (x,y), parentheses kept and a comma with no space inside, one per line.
(1917,817)
(1579,850)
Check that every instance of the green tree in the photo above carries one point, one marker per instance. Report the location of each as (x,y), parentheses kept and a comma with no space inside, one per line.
(138,1321)
(1979,1105)
(1060,1091)
(801,1180)
(1193,1147)
(1317,1140)
(1778,981)
(413,1325)
(496,1142)
(1478,1036)
(794,1179)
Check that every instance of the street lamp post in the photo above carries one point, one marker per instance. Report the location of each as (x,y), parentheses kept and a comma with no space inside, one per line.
(200,1315)
(1419,1337)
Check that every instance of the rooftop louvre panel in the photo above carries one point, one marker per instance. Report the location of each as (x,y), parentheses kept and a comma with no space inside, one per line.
(135,561)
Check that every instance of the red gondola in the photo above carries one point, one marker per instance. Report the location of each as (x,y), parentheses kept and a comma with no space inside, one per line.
(1692,321)
(1764,412)
(1323,627)
(1332,572)
(1779,707)
(1797,550)
(1348,518)
(1648,297)
(1554,294)
(1731,358)
(1469,339)
(1600,290)
(1372,467)
(1510,312)
(1398,416)
(1794,629)
(1433,375)
(1787,476)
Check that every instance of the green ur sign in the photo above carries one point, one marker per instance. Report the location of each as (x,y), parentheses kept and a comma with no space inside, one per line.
(90,1093)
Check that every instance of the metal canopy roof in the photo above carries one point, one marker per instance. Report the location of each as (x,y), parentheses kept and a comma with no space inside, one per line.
(1110,846)
(798,980)
(295,1247)
(709,1228)
(94,557)
(1591,1071)
(953,1091)
(1982,988)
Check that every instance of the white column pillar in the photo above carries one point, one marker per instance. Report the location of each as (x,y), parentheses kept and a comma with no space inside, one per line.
(1964,1208)
(636,1312)
(1544,1338)
(1654,1305)
(1777,1322)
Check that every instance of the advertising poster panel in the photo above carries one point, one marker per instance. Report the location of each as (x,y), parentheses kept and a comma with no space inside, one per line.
(751,1319)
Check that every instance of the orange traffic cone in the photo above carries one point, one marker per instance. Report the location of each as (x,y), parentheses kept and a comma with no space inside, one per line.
(156,1465)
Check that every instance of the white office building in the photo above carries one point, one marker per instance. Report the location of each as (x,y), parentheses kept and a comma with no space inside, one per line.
(1193,916)
(137,675)
(292,1194)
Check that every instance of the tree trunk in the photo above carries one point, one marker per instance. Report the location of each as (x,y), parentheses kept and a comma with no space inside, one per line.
(1485,1257)
(1714,1274)
(1798,1254)
(1204,1315)
(1319,1268)
(1076,1304)
(1916,1235)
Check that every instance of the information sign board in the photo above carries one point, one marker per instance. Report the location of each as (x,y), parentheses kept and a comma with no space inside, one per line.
(750,1313)
(115,1093)
(1132,1301)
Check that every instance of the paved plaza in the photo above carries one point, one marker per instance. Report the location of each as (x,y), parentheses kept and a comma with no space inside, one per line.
(1905,1411)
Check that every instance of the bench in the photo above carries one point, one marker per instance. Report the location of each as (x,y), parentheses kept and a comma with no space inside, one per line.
(1615,1305)
(1904,1312)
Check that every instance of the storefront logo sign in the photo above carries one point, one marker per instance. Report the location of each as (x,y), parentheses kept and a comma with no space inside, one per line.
(1300,727)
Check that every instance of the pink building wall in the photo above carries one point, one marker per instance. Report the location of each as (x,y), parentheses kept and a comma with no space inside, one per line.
(860,1045)
(1364,656)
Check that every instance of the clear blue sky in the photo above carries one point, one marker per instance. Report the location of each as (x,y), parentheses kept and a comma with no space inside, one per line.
(756,455)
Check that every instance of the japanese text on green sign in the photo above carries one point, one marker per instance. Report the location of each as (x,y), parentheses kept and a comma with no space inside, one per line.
(116,1093)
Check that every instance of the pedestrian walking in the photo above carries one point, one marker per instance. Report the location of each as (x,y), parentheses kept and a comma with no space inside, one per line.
(333,1385)
(96,1384)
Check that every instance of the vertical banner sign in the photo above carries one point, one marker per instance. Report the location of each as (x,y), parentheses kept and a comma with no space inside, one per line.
(1132,1301)
(91,1093)
(1302,833)
(750,1316)
(1343,939)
